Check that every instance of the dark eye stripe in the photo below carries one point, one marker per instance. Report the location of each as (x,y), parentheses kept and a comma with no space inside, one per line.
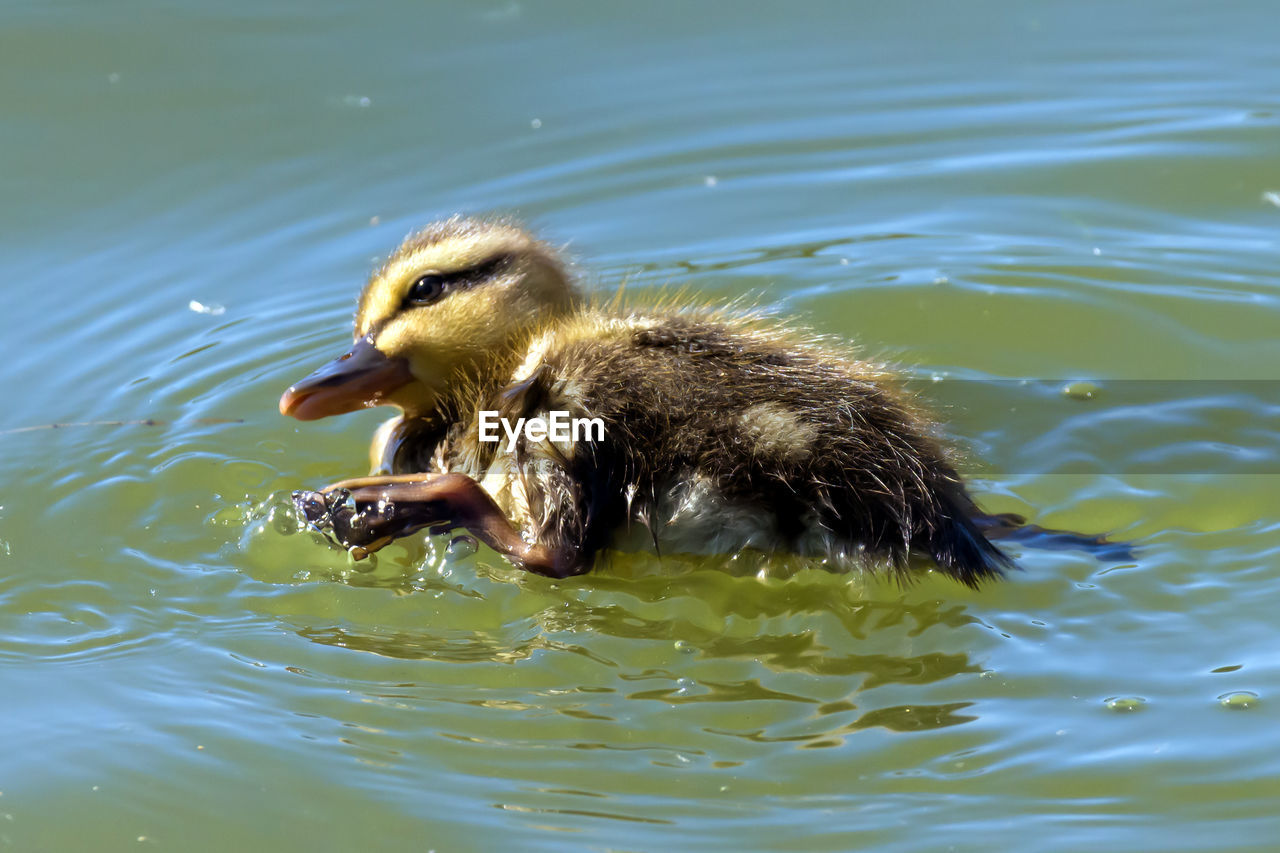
(464,278)
(485,270)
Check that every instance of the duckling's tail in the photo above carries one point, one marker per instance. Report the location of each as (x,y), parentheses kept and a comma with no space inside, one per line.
(960,546)
(962,540)
(1011,527)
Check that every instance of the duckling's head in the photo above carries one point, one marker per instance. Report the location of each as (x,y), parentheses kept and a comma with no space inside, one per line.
(455,303)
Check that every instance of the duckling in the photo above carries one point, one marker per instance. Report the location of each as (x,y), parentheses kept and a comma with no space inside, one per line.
(721,430)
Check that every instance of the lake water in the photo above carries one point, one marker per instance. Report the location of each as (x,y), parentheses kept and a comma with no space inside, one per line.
(1060,218)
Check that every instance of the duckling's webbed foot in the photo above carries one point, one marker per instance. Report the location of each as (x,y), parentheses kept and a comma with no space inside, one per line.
(367,513)
(359,526)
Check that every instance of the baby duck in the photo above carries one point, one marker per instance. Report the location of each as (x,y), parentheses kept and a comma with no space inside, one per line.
(721,431)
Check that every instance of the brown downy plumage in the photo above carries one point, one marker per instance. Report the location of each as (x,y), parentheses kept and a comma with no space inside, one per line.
(722,431)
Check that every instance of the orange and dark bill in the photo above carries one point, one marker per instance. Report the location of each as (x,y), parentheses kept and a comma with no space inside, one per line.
(360,378)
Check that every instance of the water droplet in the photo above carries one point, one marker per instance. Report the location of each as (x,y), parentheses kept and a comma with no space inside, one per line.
(1238,700)
(1126,703)
(1080,390)
(462,546)
(213,309)
(284,520)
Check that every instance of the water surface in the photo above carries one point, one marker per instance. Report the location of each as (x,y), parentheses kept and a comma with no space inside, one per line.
(1054,192)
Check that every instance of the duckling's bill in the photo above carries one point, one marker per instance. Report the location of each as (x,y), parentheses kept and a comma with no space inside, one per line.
(360,378)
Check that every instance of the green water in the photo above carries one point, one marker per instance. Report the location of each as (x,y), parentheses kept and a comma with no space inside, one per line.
(984,192)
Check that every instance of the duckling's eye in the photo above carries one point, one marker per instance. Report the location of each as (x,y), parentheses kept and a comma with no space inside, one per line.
(427,289)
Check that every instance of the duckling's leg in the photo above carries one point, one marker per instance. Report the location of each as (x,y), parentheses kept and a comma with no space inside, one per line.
(375,480)
(387,508)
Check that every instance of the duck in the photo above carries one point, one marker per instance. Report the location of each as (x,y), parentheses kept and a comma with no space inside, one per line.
(708,428)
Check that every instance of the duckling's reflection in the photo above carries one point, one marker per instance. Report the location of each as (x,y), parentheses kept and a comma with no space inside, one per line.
(617,606)
(899,718)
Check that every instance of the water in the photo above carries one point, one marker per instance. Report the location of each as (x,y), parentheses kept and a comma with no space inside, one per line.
(1059,192)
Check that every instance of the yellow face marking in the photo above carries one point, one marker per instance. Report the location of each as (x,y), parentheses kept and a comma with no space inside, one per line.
(478,329)
(388,287)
